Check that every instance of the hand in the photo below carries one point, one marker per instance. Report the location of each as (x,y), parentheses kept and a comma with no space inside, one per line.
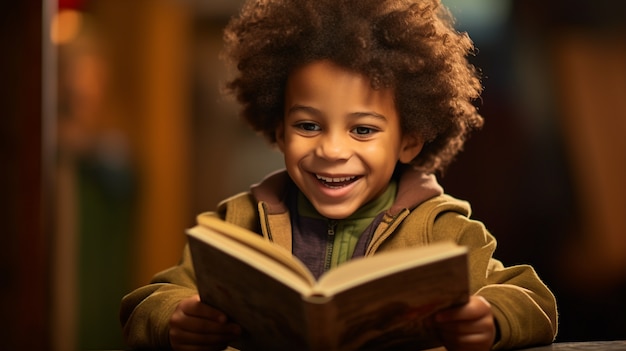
(196,326)
(470,327)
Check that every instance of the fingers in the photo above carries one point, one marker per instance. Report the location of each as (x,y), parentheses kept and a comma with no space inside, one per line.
(194,307)
(469,327)
(196,326)
(468,330)
(202,334)
(467,336)
(476,308)
(193,315)
(213,322)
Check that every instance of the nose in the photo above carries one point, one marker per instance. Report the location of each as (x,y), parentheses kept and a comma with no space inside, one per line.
(334,147)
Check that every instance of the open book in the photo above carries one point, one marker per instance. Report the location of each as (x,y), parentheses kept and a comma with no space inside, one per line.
(378,302)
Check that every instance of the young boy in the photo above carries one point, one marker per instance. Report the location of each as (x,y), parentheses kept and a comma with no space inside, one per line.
(367,100)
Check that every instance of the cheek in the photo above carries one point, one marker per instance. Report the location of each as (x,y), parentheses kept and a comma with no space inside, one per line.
(294,151)
(385,152)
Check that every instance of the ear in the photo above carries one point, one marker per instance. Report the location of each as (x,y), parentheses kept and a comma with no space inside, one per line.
(279,133)
(411,146)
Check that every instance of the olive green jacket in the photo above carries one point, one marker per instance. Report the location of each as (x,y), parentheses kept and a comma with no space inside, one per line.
(524,308)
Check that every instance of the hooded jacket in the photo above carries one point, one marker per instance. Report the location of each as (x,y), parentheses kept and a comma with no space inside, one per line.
(523,307)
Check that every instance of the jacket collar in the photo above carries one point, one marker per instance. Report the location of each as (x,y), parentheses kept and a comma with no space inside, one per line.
(414,187)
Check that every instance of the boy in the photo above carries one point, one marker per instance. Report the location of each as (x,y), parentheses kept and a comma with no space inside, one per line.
(366,99)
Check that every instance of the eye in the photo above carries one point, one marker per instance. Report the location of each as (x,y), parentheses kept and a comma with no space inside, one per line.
(363,131)
(308,126)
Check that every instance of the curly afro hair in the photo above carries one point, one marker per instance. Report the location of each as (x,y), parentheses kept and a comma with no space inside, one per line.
(410,46)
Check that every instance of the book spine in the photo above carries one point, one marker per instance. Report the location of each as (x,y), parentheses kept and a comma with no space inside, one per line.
(320,315)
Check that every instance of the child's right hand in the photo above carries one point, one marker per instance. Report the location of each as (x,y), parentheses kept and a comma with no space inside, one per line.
(196,326)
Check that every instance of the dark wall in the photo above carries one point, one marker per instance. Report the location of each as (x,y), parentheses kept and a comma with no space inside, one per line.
(22,242)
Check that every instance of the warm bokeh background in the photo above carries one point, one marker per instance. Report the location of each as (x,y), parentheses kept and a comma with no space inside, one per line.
(115,135)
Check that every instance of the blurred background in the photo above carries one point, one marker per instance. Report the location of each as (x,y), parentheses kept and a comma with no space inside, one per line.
(115,135)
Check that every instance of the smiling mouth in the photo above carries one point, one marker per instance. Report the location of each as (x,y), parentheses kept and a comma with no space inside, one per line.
(336,182)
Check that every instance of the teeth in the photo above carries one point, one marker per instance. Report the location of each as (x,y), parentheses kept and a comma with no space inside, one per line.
(334,180)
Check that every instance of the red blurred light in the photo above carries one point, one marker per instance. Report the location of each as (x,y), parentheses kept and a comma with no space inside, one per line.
(70,4)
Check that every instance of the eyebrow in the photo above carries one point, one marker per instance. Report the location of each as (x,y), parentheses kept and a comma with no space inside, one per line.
(307,109)
(316,112)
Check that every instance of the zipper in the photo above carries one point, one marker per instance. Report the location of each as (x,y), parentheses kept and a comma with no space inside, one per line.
(330,240)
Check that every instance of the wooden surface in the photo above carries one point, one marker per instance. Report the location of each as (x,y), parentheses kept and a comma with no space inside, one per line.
(582,346)
(619,345)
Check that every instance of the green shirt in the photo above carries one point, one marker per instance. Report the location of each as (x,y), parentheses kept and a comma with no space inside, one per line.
(349,230)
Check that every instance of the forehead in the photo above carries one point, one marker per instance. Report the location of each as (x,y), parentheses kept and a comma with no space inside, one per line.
(326,82)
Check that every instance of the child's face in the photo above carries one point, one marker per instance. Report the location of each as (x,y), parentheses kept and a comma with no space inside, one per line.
(341,139)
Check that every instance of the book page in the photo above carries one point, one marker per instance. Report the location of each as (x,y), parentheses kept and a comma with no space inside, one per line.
(209,242)
(360,270)
(257,243)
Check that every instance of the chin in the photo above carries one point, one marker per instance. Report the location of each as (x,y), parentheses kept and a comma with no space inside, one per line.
(335,214)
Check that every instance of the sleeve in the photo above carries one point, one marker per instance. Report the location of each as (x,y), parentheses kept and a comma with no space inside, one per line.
(145,312)
(523,306)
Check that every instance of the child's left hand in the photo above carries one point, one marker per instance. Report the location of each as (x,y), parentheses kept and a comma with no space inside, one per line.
(470,327)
